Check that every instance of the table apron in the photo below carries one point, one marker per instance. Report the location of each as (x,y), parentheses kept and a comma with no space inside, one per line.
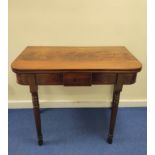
(76,78)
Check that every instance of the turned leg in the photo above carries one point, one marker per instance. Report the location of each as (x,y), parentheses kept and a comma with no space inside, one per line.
(36,111)
(115,102)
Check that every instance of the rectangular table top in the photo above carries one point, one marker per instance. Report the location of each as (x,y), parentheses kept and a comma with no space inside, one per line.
(106,58)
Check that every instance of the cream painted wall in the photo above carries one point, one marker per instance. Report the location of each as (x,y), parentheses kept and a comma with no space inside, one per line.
(80,23)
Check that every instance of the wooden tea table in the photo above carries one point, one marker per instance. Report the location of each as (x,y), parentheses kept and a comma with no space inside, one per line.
(76,66)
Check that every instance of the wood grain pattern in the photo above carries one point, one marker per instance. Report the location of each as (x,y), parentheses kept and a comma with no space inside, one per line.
(76,58)
(76,66)
(78,78)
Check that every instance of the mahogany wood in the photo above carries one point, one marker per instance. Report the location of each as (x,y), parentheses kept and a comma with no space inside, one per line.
(76,66)
(44,58)
(36,108)
(116,95)
(77,78)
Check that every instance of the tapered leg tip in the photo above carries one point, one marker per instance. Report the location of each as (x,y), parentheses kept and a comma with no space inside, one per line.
(109,140)
(40,142)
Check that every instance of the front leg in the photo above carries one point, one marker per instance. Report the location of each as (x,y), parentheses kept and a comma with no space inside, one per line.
(115,102)
(36,109)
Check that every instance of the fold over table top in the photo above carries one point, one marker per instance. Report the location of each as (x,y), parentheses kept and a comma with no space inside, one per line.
(51,58)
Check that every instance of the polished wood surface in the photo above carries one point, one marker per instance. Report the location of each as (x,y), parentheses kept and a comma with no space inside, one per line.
(76,66)
(76,58)
(77,78)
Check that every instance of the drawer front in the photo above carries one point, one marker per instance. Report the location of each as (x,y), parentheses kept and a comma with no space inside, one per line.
(77,79)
